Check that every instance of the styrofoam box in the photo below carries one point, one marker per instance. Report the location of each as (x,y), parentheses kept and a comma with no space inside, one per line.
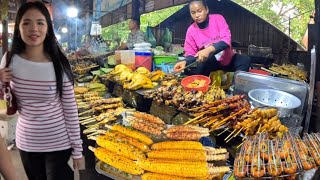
(8,128)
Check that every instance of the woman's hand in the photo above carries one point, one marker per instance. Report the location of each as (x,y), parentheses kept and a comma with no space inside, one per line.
(78,163)
(204,54)
(179,66)
(5,75)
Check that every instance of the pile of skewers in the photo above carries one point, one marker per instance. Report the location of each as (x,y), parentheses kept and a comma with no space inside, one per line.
(219,113)
(174,94)
(257,121)
(105,111)
(235,113)
(102,105)
(145,122)
(186,133)
(285,157)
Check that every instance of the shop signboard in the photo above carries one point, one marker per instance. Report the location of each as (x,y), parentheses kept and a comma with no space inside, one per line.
(95,29)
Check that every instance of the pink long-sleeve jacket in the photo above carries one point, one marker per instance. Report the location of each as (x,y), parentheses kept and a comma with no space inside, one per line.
(217,30)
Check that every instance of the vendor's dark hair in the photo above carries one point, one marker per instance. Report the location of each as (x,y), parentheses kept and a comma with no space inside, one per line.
(51,47)
(204,2)
(136,20)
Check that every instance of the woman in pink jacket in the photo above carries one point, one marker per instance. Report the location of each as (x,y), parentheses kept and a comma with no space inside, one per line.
(208,40)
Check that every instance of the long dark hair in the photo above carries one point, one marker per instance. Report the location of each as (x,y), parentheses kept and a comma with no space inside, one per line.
(59,60)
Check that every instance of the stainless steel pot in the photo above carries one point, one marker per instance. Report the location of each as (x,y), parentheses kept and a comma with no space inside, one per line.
(284,102)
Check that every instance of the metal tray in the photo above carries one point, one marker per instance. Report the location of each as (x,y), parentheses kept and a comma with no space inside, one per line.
(113,173)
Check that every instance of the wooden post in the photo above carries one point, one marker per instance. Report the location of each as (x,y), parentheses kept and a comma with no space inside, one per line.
(317,24)
(135,9)
(4,19)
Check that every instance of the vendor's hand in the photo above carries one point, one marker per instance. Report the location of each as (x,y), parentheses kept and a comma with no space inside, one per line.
(78,163)
(123,46)
(179,66)
(5,75)
(204,54)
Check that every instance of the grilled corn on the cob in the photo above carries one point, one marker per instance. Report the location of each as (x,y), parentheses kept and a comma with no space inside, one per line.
(119,162)
(189,155)
(119,137)
(132,133)
(156,176)
(196,169)
(177,145)
(122,149)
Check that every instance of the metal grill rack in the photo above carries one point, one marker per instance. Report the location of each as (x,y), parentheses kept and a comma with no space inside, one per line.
(263,158)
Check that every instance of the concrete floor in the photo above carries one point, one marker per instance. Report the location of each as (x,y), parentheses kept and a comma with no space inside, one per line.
(18,164)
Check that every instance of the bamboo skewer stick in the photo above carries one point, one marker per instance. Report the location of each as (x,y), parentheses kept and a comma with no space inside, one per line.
(240,145)
(205,119)
(89,119)
(92,134)
(230,134)
(85,112)
(86,117)
(88,122)
(235,135)
(223,131)
(194,119)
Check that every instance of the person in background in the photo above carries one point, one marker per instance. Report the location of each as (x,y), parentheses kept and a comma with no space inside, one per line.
(208,40)
(6,166)
(135,36)
(40,76)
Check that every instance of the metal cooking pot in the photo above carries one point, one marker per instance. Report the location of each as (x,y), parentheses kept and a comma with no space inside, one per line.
(283,101)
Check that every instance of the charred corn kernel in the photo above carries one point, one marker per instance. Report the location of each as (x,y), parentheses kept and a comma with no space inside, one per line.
(156,176)
(133,133)
(197,169)
(177,145)
(191,155)
(174,161)
(119,137)
(119,162)
(120,148)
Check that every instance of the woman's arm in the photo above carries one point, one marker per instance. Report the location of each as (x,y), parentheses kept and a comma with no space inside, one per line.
(70,111)
(190,46)
(225,34)
(6,166)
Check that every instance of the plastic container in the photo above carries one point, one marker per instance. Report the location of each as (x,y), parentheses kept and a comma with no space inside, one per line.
(117,57)
(166,68)
(143,59)
(128,58)
(142,45)
(187,80)
(164,59)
